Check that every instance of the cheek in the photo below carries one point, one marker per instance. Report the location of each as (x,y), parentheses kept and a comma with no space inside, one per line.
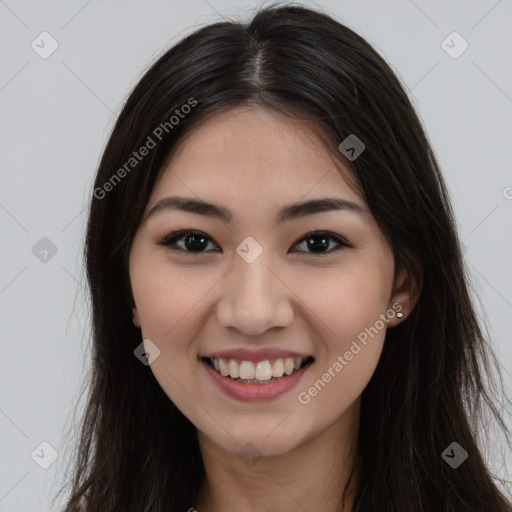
(351,352)
(168,308)
(166,295)
(346,300)
(348,311)
(171,302)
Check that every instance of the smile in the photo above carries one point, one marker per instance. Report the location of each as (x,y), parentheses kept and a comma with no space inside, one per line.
(260,372)
(251,381)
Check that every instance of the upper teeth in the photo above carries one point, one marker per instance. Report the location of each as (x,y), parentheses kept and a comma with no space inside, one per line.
(262,370)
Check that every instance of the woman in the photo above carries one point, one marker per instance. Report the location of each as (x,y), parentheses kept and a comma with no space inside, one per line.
(281,314)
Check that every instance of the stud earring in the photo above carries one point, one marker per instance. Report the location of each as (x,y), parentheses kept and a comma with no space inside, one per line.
(399,314)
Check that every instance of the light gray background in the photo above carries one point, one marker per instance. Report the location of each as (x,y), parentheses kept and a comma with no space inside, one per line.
(56,114)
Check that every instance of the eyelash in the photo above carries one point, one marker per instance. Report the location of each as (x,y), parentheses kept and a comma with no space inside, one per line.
(171,239)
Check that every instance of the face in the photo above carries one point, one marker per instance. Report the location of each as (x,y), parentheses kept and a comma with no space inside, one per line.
(259,289)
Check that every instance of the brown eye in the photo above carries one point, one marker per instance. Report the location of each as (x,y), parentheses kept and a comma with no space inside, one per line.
(319,242)
(186,241)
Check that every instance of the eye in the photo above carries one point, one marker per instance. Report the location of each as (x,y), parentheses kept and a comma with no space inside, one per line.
(319,242)
(191,241)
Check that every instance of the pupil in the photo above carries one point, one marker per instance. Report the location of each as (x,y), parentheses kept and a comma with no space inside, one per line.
(322,242)
(201,242)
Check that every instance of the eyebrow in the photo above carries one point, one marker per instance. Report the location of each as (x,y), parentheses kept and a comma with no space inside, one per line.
(287,213)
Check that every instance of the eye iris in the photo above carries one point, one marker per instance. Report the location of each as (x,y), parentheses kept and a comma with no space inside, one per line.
(318,242)
(195,242)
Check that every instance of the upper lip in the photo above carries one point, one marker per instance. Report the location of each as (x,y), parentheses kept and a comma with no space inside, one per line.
(263,354)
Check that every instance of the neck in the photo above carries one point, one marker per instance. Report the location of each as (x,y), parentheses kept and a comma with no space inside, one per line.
(312,476)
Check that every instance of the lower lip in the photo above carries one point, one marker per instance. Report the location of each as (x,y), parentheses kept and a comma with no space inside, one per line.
(255,392)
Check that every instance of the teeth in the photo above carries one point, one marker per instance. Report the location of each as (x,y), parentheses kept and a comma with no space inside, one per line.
(263,371)
(247,370)
(260,371)
(233,368)
(223,368)
(289,363)
(278,368)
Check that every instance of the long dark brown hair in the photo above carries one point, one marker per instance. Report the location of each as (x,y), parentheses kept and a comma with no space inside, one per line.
(436,375)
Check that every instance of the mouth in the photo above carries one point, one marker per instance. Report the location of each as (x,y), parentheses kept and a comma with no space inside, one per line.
(258,372)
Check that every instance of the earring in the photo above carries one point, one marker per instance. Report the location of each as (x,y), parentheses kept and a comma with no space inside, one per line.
(399,314)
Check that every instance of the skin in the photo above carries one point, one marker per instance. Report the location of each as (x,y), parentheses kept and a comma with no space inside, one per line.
(254,161)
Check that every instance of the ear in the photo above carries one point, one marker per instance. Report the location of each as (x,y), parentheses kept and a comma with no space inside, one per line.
(135,317)
(405,295)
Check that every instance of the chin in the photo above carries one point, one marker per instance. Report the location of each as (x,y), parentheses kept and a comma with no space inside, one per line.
(266,438)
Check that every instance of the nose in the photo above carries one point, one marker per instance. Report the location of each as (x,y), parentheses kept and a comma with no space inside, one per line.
(255,298)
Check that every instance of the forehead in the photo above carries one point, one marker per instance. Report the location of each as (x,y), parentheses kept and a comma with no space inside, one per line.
(256,154)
